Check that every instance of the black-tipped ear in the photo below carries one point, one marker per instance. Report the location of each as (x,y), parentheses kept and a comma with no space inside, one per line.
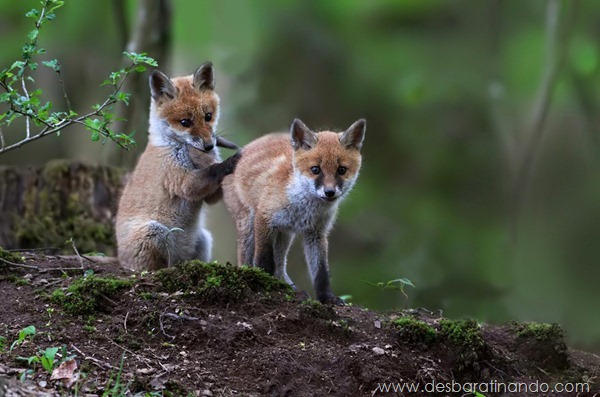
(204,77)
(161,86)
(354,136)
(302,137)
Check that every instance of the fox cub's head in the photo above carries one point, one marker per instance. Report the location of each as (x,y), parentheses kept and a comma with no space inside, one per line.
(328,162)
(185,109)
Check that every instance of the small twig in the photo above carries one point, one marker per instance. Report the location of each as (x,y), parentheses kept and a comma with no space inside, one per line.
(59,269)
(27,127)
(108,299)
(181,317)
(94,361)
(33,249)
(162,327)
(125,322)
(141,358)
(76,252)
(18,264)
(2,143)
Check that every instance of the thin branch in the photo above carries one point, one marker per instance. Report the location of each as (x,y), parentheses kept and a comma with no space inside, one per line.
(76,252)
(65,96)
(27,121)
(2,143)
(18,264)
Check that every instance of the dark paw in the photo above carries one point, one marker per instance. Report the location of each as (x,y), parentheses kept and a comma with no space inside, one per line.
(231,163)
(331,299)
(301,296)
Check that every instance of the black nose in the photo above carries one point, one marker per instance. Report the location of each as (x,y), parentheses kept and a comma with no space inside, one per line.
(209,146)
(329,192)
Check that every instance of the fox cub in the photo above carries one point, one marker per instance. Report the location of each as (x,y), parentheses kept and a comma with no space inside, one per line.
(280,189)
(160,218)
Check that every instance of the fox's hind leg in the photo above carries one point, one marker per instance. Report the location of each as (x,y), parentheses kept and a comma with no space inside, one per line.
(145,247)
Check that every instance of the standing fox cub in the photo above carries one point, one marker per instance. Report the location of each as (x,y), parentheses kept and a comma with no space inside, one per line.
(279,190)
(159,221)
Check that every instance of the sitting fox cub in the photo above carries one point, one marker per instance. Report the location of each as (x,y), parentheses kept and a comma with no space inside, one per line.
(159,221)
(280,189)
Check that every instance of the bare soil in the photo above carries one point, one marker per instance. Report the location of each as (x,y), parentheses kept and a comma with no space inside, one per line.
(153,339)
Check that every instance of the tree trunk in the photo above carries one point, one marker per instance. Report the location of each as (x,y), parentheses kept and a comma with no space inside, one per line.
(46,206)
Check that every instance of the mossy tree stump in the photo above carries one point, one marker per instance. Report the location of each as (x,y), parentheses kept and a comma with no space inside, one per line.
(46,206)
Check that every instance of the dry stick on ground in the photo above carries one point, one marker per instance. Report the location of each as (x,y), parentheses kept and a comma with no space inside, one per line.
(9,263)
(141,358)
(94,361)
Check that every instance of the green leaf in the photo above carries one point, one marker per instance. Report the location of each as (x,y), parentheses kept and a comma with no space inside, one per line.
(53,64)
(140,58)
(123,97)
(48,358)
(23,334)
(95,136)
(34,14)
(24,375)
(33,35)
(401,281)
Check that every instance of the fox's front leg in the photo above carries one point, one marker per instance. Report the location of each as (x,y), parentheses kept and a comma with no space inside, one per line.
(315,252)
(199,184)
(281,245)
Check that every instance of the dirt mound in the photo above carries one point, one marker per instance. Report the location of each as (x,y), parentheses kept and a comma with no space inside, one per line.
(216,330)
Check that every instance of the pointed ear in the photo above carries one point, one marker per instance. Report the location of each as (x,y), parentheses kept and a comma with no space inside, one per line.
(301,136)
(354,136)
(161,86)
(204,77)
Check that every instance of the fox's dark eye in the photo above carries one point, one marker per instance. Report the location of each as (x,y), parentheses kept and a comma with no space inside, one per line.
(207,117)
(186,122)
(342,170)
(316,170)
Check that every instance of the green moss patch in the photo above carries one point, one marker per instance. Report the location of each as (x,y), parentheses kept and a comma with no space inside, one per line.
(215,282)
(90,294)
(542,343)
(314,309)
(539,331)
(466,340)
(10,256)
(412,330)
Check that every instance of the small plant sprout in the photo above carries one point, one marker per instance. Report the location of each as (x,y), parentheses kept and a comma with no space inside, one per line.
(396,284)
(24,334)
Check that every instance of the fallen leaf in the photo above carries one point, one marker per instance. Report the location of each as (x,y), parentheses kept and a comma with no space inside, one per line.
(66,372)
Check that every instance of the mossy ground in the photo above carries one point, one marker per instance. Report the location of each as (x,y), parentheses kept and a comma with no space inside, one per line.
(412,330)
(543,342)
(89,294)
(209,329)
(10,256)
(215,282)
(539,331)
(466,338)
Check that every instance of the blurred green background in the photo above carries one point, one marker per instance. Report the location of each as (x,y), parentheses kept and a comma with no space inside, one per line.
(481,175)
